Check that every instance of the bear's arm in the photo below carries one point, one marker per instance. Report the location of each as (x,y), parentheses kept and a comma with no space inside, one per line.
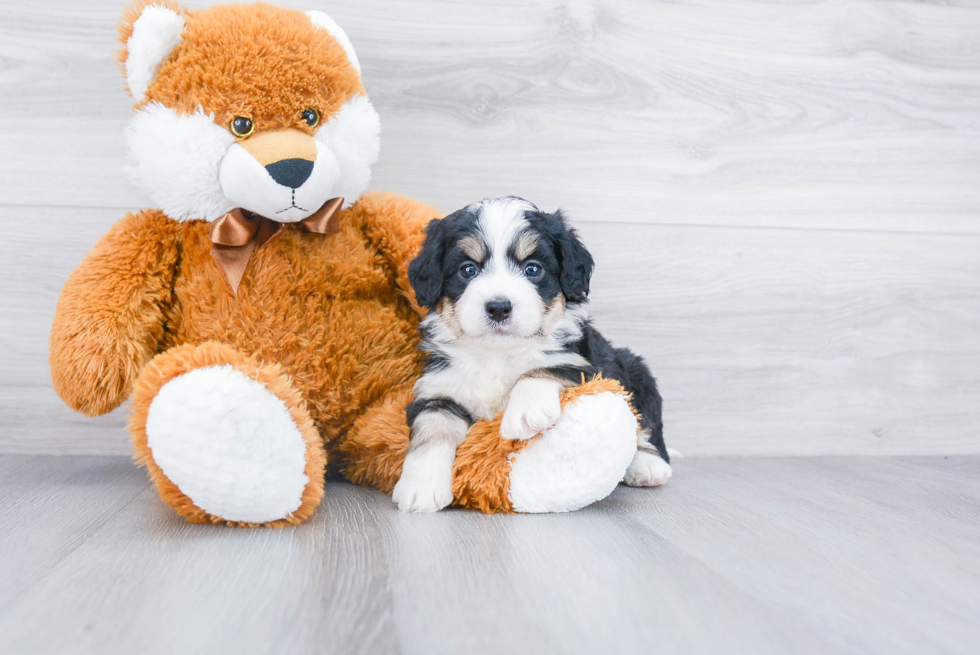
(395,226)
(109,319)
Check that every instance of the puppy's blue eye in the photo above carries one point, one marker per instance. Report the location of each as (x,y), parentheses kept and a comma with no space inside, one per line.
(533,270)
(468,270)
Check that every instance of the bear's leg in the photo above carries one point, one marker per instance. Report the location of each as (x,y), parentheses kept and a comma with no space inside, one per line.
(374,448)
(226,439)
(573,464)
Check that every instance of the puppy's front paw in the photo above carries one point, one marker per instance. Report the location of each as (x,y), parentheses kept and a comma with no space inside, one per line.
(426,484)
(533,408)
(422,495)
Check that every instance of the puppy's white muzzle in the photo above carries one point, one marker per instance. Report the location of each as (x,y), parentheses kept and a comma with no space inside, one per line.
(480,307)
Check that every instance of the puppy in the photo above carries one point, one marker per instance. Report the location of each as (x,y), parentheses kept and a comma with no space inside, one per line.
(508,329)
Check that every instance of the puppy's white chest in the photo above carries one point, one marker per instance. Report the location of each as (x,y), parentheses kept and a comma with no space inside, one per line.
(480,384)
(489,384)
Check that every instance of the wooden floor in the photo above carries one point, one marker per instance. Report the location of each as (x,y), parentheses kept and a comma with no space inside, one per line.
(747,555)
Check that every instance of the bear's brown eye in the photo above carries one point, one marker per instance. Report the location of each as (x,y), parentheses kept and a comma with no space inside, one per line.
(241,126)
(311,116)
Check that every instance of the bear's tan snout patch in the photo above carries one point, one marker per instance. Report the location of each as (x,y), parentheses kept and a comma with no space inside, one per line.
(275,146)
(287,155)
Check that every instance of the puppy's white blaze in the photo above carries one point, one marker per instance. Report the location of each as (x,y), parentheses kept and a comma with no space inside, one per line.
(155,34)
(247,184)
(175,160)
(320,19)
(353,134)
(426,482)
(500,222)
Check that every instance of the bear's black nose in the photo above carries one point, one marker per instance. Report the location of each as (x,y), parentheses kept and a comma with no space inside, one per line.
(291,172)
(499,309)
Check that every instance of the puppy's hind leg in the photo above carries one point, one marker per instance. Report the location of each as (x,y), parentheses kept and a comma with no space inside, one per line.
(647,469)
(650,466)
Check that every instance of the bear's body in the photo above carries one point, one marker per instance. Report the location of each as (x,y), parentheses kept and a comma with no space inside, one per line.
(261,317)
(337,321)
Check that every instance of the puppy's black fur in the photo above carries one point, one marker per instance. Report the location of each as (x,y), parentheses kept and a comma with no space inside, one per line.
(567,254)
(630,370)
(433,272)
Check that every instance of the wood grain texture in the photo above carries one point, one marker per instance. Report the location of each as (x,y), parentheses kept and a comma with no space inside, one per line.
(765,341)
(799,342)
(833,114)
(50,506)
(740,555)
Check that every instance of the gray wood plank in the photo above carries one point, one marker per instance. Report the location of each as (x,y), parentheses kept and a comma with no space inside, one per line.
(363,578)
(33,420)
(764,341)
(879,555)
(34,264)
(799,342)
(750,555)
(847,115)
(49,507)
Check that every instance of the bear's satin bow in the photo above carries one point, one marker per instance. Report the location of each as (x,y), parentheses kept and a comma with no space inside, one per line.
(236,235)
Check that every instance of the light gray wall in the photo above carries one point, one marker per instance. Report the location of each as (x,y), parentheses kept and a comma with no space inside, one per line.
(783,198)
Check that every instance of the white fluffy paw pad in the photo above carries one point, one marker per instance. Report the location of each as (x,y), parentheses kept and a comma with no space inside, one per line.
(647,470)
(533,407)
(578,461)
(229,444)
(426,482)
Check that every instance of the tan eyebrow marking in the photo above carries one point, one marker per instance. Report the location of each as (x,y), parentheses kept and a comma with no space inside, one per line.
(473,248)
(526,244)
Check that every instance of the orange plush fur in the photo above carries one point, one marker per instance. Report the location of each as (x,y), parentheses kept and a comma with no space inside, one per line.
(341,325)
(272,66)
(328,323)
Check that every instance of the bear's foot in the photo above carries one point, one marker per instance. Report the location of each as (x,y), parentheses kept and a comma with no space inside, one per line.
(578,461)
(226,439)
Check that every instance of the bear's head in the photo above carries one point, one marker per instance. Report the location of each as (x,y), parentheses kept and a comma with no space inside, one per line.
(250,107)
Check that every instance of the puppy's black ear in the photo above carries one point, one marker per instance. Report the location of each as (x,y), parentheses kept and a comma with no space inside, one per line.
(575,261)
(576,264)
(425,271)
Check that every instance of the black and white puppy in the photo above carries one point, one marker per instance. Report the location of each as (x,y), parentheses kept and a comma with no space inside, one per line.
(508,329)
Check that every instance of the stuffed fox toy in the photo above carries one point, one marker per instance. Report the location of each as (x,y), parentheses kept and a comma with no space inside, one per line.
(260,316)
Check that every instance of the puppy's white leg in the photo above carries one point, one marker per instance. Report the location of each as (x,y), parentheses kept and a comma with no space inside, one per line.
(426,483)
(533,407)
(647,470)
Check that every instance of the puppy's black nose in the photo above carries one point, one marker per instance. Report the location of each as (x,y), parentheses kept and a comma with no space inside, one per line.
(499,309)
(291,172)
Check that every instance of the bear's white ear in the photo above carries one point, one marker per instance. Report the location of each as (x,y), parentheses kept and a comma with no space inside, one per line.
(156,33)
(320,19)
